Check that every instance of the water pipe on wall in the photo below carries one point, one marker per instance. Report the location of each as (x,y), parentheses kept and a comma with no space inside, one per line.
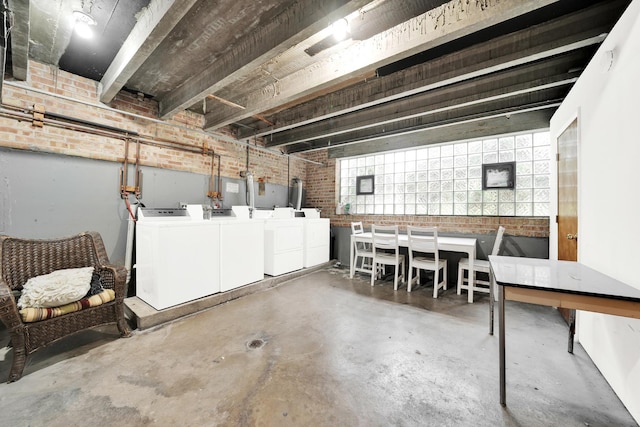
(298,183)
(251,202)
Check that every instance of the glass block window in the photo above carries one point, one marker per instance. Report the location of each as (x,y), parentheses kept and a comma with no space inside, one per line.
(446,179)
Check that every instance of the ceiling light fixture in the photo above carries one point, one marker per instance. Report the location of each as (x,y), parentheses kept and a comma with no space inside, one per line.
(340,29)
(83,25)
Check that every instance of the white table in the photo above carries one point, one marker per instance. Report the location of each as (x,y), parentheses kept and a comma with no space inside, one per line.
(454,244)
(565,284)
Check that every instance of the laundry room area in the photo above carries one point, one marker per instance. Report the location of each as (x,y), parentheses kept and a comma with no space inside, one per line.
(185,247)
(195,256)
(306,212)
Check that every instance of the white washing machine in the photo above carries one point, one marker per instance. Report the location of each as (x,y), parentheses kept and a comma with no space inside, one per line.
(177,258)
(241,247)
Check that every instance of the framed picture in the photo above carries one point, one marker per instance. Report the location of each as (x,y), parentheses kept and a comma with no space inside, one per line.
(364,184)
(499,175)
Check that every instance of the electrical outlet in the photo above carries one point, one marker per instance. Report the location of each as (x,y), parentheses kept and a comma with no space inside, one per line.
(183,205)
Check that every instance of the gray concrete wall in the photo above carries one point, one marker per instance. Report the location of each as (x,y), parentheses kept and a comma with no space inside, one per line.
(533,247)
(47,195)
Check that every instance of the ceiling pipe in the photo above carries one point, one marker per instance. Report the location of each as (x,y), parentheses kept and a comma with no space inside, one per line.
(80,125)
(220,137)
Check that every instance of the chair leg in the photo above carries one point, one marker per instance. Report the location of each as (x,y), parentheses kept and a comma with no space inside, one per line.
(472,283)
(395,277)
(436,284)
(121,322)
(374,271)
(444,275)
(125,332)
(460,278)
(19,356)
(410,281)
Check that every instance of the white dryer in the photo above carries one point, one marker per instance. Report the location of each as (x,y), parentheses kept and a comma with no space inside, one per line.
(283,242)
(317,238)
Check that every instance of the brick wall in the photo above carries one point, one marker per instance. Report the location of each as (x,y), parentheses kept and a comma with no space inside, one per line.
(272,167)
(319,180)
(322,193)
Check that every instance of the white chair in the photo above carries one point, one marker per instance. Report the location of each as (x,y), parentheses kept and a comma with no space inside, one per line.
(363,251)
(423,255)
(386,251)
(480,265)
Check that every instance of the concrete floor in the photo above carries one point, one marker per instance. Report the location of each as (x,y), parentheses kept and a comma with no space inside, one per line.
(318,350)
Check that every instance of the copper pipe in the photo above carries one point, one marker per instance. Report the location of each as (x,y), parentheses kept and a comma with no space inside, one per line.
(20,113)
(218,136)
(122,134)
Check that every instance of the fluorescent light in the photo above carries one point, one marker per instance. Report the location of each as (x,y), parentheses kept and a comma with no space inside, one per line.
(340,29)
(84,22)
(83,30)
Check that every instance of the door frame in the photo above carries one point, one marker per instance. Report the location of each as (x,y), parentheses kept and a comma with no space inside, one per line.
(572,317)
(553,214)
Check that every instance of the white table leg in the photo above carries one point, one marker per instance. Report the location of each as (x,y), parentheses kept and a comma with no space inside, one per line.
(352,251)
(472,257)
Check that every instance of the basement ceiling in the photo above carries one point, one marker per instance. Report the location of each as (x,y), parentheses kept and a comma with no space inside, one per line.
(408,73)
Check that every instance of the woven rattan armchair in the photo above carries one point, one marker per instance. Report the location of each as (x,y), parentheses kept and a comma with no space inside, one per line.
(21,259)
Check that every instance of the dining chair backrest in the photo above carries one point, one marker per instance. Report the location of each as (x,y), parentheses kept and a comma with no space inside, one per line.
(423,239)
(384,237)
(498,242)
(356,228)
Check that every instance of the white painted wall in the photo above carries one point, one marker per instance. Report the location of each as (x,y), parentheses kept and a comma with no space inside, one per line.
(607,104)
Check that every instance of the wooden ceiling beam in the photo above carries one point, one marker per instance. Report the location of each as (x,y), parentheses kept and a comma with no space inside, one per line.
(153,26)
(20,39)
(568,33)
(490,107)
(479,127)
(302,19)
(436,27)
(417,109)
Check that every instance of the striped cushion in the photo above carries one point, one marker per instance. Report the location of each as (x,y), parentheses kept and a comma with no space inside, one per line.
(32,314)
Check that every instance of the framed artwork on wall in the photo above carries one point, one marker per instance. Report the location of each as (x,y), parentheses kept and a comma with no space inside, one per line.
(499,175)
(364,184)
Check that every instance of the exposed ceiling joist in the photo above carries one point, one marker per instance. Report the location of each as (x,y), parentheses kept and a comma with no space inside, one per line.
(416,110)
(297,23)
(20,39)
(155,23)
(414,72)
(48,41)
(436,27)
(562,35)
(490,107)
(465,129)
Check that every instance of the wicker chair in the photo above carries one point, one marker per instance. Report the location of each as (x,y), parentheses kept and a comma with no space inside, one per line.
(21,259)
